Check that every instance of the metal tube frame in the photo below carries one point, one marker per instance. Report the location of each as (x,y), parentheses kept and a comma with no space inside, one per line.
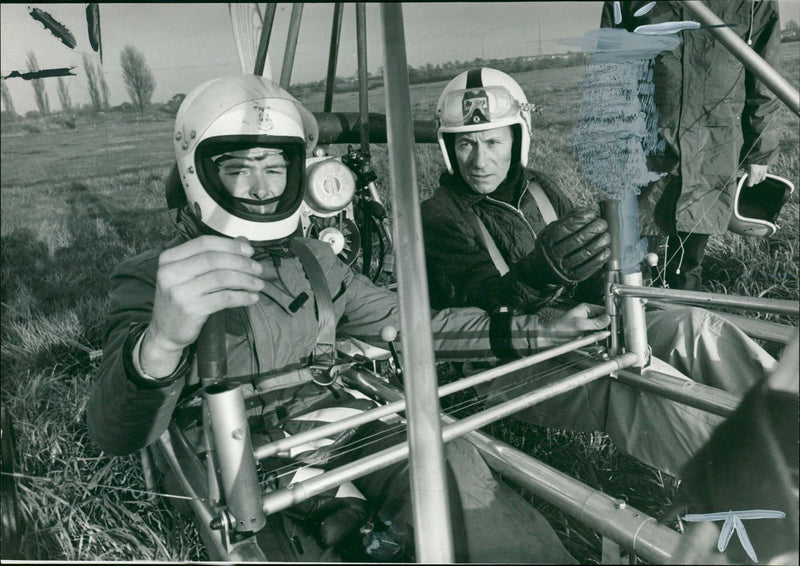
(432,525)
(237,466)
(333,56)
(263,41)
(291,44)
(608,516)
(776,306)
(634,326)
(354,376)
(286,497)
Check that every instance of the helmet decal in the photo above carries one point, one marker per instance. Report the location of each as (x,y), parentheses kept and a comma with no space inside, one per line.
(264,119)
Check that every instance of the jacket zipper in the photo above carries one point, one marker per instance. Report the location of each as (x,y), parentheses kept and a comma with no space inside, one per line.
(516,210)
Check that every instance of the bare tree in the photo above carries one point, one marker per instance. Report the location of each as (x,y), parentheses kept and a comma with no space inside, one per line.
(7,102)
(63,95)
(103,88)
(94,83)
(42,101)
(137,76)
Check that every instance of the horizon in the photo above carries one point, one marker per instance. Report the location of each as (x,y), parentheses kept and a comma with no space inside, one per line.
(205,48)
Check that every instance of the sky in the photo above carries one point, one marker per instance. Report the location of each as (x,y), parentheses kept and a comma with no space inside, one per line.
(187,43)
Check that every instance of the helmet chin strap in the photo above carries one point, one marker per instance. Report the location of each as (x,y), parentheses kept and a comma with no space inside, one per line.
(259,202)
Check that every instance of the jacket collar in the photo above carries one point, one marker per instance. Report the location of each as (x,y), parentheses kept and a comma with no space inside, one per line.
(465,197)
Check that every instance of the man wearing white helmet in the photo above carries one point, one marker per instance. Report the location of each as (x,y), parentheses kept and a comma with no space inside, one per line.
(240,144)
(503,237)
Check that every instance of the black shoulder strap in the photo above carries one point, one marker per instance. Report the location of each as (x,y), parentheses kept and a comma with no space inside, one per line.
(325,351)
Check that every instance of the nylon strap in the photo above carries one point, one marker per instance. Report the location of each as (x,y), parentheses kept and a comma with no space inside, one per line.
(325,350)
(488,241)
(545,208)
(542,202)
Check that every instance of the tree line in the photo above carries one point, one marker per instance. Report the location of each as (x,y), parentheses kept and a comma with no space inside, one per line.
(429,73)
(140,82)
(136,75)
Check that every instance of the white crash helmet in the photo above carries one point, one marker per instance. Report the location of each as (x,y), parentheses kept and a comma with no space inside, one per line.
(756,208)
(482,99)
(231,114)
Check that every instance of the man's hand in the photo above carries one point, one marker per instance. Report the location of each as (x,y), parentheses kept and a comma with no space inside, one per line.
(755,174)
(575,323)
(568,250)
(194,280)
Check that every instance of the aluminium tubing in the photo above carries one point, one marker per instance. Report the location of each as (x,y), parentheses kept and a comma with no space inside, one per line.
(333,56)
(205,513)
(353,375)
(771,78)
(363,76)
(291,45)
(234,448)
(291,495)
(634,326)
(263,40)
(602,513)
(606,515)
(430,506)
(691,393)
(776,306)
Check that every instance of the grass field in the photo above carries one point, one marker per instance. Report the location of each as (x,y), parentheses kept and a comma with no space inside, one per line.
(75,202)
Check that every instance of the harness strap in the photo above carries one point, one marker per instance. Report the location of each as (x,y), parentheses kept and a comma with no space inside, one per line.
(325,349)
(488,241)
(542,202)
(545,208)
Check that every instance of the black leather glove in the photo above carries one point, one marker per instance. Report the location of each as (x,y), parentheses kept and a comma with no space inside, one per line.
(568,250)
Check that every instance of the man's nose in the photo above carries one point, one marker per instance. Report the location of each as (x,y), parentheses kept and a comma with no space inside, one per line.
(261,188)
(479,156)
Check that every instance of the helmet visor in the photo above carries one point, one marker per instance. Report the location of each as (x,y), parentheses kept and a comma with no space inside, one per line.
(465,107)
(213,156)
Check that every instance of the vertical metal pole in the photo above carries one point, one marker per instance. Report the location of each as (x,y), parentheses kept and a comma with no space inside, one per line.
(771,78)
(212,365)
(263,41)
(333,55)
(432,525)
(291,44)
(610,212)
(634,325)
(363,74)
(237,465)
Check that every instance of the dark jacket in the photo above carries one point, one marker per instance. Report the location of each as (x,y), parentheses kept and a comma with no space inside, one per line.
(712,114)
(276,335)
(460,270)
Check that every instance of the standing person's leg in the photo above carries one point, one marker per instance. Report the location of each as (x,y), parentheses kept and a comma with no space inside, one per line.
(685,253)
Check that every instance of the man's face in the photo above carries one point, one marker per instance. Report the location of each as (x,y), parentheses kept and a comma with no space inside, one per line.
(484,157)
(256,174)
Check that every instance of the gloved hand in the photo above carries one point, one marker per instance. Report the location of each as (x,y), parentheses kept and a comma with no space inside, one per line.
(568,250)
(331,518)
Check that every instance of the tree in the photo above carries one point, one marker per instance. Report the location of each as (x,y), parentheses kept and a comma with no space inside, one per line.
(7,102)
(137,76)
(103,89)
(42,101)
(63,95)
(93,78)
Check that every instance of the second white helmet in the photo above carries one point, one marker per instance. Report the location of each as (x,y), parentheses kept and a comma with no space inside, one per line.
(483,99)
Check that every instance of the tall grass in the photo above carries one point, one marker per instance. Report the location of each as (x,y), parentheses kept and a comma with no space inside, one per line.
(76,202)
